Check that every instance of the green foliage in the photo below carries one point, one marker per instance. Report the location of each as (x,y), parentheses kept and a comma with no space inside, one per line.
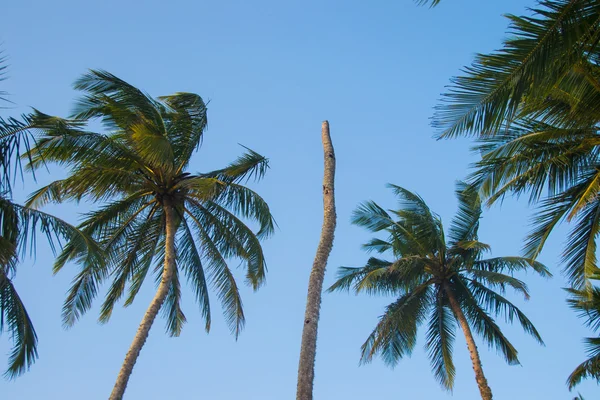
(587,304)
(18,227)
(136,167)
(535,107)
(428,268)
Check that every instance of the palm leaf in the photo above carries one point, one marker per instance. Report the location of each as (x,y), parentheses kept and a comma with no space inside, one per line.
(15,320)
(395,335)
(539,52)
(440,341)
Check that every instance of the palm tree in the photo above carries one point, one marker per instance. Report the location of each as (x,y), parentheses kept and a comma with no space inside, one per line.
(18,226)
(157,216)
(587,303)
(535,107)
(442,282)
(308,347)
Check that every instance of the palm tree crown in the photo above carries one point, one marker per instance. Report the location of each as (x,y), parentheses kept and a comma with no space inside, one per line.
(439,279)
(156,217)
(535,107)
(138,167)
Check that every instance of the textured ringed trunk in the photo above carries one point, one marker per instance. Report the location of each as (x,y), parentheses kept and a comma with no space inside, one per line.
(308,348)
(153,309)
(484,389)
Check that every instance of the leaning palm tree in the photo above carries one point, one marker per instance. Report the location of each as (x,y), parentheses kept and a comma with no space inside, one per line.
(157,217)
(587,303)
(444,282)
(535,107)
(18,226)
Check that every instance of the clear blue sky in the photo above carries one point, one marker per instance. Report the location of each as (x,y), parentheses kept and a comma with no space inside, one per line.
(273,70)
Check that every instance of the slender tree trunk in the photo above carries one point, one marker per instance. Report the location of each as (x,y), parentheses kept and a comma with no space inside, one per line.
(484,389)
(157,301)
(306,367)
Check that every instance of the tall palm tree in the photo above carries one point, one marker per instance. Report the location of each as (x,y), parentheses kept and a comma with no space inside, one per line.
(18,226)
(587,303)
(308,347)
(439,280)
(157,216)
(535,107)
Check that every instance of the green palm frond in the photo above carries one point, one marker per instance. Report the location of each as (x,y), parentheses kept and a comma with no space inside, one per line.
(424,225)
(185,124)
(15,320)
(465,224)
(18,225)
(15,139)
(3,68)
(440,341)
(512,264)
(499,281)
(250,165)
(117,103)
(382,277)
(377,245)
(190,262)
(247,203)
(250,249)
(590,368)
(501,307)
(540,51)
(396,333)
(587,304)
(371,216)
(64,141)
(549,214)
(221,279)
(534,157)
(171,308)
(580,252)
(135,255)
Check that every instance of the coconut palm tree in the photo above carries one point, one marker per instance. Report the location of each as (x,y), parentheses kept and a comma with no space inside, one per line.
(157,216)
(587,303)
(440,279)
(535,107)
(18,226)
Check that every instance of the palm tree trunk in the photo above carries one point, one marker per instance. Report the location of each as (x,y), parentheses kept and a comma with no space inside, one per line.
(161,293)
(484,389)
(308,348)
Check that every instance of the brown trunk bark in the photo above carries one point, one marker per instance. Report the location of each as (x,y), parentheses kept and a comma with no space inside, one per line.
(308,348)
(484,389)
(153,309)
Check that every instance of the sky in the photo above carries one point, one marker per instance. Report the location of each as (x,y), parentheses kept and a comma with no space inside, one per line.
(273,71)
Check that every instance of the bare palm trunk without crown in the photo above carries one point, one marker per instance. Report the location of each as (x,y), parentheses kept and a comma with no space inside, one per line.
(484,389)
(308,348)
(153,309)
